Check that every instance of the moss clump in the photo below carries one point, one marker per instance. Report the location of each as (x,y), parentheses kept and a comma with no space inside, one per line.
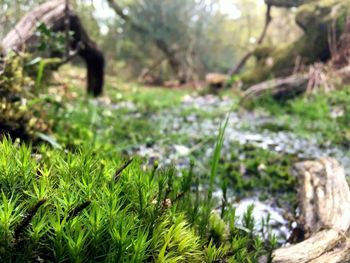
(17,114)
(258,170)
(59,206)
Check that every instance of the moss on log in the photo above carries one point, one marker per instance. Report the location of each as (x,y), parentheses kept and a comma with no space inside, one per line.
(319,20)
(53,14)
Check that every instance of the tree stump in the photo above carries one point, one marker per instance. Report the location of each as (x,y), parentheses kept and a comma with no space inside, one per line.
(53,14)
(324,199)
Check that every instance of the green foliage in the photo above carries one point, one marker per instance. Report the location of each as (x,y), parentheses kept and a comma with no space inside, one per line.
(217,229)
(250,169)
(214,254)
(50,42)
(322,115)
(176,242)
(216,158)
(18,111)
(68,206)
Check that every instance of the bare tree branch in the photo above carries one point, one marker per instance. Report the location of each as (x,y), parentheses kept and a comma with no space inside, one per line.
(161,44)
(118,9)
(237,68)
(285,3)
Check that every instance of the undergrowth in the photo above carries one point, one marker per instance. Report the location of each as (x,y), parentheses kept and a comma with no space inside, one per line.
(62,206)
(20,112)
(80,202)
(322,115)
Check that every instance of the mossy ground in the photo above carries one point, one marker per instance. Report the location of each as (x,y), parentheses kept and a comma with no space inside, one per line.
(322,116)
(62,201)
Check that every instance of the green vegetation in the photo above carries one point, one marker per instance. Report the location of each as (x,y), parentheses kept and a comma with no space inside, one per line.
(262,171)
(324,116)
(58,206)
(75,199)
(146,173)
(19,112)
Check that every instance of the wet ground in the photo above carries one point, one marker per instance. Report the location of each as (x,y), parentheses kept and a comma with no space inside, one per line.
(244,127)
(193,127)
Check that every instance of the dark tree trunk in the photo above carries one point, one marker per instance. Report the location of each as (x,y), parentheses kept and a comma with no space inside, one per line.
(53,14)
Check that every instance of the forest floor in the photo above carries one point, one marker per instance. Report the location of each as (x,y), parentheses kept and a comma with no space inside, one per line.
(232,194)
(179,127)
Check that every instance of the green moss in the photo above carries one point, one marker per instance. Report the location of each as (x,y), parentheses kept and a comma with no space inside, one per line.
(316,18)
(69,206)
(311,116)
(18,116)
(253,169)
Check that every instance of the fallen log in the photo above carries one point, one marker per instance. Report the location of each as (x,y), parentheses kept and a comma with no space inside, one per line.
(324,199)
(53,14)
(280,89)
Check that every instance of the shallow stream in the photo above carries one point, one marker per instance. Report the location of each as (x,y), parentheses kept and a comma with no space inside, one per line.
(197,121)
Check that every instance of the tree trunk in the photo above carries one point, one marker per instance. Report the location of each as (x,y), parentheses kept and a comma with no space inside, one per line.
(319,20)
(53,14)
(324,199)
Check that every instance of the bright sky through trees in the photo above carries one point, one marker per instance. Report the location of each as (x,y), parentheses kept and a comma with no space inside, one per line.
(228,7)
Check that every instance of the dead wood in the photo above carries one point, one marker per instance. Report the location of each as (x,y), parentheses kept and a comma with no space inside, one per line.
(283,88)
(324,199)
(55,15)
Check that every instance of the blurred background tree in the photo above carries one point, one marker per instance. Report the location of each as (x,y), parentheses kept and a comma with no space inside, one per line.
(171,39)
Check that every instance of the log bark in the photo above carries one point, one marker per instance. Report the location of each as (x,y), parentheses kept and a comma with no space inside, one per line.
(280,89)
(53,14)
(324,198)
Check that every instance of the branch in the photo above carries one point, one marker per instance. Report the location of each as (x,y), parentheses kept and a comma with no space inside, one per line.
(118,9)
(237,68)
(285,3)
